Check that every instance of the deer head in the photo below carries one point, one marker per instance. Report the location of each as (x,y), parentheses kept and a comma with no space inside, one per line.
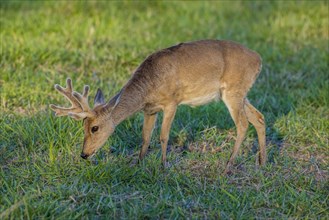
(98,126)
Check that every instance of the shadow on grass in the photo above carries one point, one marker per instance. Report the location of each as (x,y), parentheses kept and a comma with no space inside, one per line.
(277,93)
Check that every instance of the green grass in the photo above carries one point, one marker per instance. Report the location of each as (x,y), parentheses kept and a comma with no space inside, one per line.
(100,44)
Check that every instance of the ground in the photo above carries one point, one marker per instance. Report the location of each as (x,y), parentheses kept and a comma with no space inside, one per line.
(100,44)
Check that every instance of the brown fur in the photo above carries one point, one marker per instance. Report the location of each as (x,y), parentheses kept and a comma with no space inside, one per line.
(192,73)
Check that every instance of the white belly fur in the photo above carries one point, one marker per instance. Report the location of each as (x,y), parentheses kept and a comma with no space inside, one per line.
(201,100)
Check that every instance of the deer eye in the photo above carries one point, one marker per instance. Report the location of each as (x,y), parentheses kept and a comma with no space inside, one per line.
(94,129)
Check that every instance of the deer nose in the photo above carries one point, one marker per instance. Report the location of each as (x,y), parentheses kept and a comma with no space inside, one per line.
(84,156)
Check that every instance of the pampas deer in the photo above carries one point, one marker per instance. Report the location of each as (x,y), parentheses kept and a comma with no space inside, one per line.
(193,73)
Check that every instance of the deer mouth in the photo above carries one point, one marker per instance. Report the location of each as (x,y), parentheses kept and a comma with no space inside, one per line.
(86,156)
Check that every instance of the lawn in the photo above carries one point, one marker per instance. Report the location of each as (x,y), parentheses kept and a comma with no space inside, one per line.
(101,44)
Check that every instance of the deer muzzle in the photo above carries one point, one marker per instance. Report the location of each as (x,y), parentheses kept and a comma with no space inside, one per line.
(84,156)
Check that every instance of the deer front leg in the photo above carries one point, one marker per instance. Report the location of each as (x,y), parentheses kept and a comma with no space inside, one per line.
(149,121)
(168,117)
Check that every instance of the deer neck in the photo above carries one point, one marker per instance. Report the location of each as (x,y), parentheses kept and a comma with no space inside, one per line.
(131,100)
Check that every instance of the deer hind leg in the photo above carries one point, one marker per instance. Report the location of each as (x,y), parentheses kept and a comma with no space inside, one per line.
(257,120)
(168,117)
(149,121)
(236,109)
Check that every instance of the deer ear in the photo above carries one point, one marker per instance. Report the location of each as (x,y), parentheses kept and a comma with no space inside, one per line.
(99,98)
(113,102)
(117,101)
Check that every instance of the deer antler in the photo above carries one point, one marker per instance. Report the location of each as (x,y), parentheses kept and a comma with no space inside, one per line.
(80,108)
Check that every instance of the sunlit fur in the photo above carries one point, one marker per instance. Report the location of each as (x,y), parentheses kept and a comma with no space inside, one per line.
(193,73)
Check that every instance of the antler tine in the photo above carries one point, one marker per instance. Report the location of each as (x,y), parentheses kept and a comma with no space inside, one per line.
(86,91)
(67,93)
(69,85)
(83,99)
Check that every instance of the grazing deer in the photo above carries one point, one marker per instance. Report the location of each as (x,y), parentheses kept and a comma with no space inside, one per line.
(193,73)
